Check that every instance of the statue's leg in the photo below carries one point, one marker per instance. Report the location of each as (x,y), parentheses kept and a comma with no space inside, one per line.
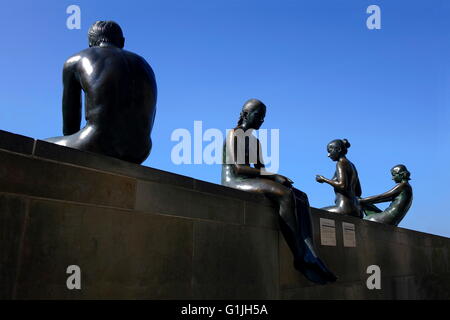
(284,198)
(388,217)
(57,140)
(308,262)
(346,210)
(333,209)
(370,209)
(294,225)
(85,140)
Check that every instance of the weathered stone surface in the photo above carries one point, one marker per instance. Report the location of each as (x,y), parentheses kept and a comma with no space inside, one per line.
(401,254)
(16,143)
(161,198)
(121,254)
(234,262)
(211,188)
(13,212)
(259,215)
(24,175)
(140,233)
(55,152)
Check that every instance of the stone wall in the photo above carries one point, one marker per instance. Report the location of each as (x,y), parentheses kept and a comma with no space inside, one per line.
(141,233)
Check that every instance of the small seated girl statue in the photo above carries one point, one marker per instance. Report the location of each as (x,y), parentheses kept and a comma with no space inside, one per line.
(243,168)
(345,182)
(401,196)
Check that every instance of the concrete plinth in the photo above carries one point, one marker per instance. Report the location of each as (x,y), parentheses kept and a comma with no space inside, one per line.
(141,233)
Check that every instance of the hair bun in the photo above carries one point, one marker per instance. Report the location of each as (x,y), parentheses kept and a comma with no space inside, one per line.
(346,143)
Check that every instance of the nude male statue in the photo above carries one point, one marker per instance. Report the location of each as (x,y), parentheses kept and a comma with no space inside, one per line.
(120,98)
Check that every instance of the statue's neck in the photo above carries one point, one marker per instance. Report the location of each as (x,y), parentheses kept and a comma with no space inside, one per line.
(106,45)
(244,127)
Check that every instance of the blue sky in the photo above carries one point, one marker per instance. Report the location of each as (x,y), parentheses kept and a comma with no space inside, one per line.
(320,71)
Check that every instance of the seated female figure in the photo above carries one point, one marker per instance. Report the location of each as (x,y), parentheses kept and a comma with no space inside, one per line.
(243,168)
(401,196)
(345,181)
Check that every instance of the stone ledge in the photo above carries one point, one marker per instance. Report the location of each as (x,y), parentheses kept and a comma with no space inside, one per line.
(16,143)
(142,233)
(49,151)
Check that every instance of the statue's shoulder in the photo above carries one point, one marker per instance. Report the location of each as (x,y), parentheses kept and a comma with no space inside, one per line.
(138,60)
(134,56)
(73,59)
(235,132)
(405,186)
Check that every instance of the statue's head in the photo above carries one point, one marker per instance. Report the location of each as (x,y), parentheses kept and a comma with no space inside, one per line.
(400,173)
(337,149)
(252,114)
(106,32)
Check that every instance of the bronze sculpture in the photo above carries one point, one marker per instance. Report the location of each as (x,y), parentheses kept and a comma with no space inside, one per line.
(401,196)
(293,204)
(120,98)
(345,181)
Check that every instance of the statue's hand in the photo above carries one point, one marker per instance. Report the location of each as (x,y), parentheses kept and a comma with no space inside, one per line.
(320,179)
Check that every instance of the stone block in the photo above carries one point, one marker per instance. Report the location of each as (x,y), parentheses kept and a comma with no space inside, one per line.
(234,262)
(13,213)
(38,178)
(121,254)
(100,162)
(16,143)
(166,199)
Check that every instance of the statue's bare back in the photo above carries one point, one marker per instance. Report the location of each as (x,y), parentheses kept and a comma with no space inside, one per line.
(120,103)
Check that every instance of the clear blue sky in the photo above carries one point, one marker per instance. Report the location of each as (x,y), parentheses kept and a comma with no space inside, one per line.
(320,71)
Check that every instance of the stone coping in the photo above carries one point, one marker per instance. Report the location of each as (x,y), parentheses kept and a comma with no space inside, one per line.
(38,149)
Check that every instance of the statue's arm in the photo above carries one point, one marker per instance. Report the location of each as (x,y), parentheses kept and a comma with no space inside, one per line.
(358,188)
(340,178)
(71,102)
(245,170)
(260,163)
(238,169)
(384,197)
